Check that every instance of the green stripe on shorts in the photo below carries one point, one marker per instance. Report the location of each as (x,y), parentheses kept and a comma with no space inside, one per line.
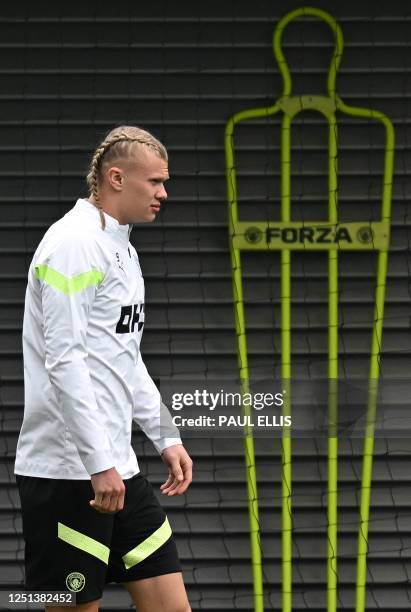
(150,545)
(83,542)
(66,284)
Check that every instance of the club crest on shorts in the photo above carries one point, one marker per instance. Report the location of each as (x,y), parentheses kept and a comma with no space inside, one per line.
(75,582)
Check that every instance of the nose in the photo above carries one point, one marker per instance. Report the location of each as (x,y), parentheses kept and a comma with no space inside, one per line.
(161,193)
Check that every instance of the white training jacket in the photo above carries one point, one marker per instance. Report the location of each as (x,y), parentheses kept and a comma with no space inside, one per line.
(84,378)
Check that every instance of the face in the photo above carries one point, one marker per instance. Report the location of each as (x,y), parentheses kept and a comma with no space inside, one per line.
(140,187)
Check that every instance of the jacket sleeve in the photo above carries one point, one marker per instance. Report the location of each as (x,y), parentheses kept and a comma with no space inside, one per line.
(151,414)
(68,283)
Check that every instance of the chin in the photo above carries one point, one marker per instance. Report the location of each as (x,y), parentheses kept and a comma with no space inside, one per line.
(147,219)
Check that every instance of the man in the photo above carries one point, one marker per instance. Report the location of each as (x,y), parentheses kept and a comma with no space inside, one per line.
(89,516)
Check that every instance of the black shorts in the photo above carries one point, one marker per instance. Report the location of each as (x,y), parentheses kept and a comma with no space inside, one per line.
(71,546)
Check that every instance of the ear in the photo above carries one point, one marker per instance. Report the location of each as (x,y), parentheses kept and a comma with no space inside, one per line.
(115,177)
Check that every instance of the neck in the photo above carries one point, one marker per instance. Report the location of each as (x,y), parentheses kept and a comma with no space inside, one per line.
(105,207)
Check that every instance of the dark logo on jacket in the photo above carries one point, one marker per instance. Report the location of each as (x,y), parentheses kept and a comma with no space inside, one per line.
(131,317)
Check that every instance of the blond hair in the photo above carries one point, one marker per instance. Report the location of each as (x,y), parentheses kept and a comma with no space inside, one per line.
(120,143)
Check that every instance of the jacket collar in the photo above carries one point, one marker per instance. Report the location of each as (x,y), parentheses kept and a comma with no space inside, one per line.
(112,225)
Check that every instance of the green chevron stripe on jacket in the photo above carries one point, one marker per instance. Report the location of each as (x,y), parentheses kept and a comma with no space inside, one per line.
(65,284)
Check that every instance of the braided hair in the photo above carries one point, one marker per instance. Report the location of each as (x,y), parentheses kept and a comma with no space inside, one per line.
(118,144)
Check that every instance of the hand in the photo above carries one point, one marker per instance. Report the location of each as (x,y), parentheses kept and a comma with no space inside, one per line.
(180,469)
(109,491)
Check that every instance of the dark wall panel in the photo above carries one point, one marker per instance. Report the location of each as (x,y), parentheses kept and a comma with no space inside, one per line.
(70,72)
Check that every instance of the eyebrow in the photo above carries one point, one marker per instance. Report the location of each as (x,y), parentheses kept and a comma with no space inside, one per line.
(161,178)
